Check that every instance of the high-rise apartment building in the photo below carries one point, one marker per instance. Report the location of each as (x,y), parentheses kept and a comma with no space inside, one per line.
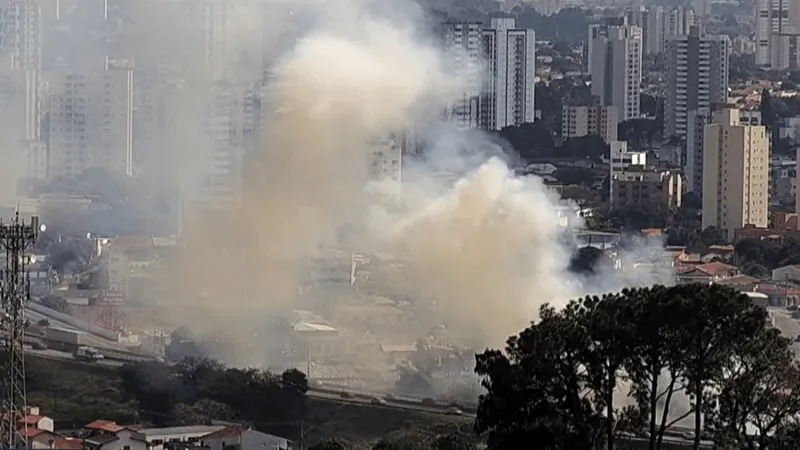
(463,42)
(508,88)
(659,24)
(615,65)
(696,121)
(777,31)
(735,173)
(20,34)
(697,77)
(590,120)
(91,120)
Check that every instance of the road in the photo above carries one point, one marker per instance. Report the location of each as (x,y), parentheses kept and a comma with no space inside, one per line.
(88,338)
(324,394)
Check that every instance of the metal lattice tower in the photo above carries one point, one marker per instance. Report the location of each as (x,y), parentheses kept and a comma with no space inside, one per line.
(16,238)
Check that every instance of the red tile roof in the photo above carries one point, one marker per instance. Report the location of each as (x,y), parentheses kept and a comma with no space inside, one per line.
(739,280)
(233,430)
(30,432)
(68,444)
(31,419)
(715,268)
(103,425)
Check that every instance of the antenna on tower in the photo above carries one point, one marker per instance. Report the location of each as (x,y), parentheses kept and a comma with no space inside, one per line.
(16,239)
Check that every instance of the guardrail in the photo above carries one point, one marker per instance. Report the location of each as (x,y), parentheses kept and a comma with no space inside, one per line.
(417,401)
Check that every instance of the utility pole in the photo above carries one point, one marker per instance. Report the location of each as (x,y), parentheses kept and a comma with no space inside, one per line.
(16,239)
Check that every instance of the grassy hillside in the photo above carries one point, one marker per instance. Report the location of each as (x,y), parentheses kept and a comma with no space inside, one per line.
(75,394)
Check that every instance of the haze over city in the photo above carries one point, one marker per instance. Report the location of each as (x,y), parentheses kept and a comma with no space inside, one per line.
(373,195)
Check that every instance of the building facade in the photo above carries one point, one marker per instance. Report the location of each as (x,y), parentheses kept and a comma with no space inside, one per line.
(590,120)
(615,65)
(735,173)
(508,89)
(697,77)
(91,120)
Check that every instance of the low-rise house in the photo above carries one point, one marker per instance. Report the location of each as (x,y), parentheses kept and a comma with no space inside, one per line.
(243,439)
(157,437)
(123,439)
(38,438)
(66,443)
(707,273)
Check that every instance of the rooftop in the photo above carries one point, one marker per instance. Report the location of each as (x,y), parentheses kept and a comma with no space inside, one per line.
(200,430)
(311,327)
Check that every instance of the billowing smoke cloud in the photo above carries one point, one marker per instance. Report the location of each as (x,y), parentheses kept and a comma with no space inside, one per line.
(488,253)
(480,256)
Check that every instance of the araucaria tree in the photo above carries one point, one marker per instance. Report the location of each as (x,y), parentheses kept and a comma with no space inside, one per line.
(564,382)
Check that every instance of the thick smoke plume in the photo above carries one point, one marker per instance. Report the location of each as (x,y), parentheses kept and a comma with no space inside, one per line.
(480,256)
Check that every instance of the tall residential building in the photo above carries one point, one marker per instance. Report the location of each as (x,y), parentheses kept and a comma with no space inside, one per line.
(590,120)
(697,77)
(735,173)
(615,65)
(91,120)
(696,122)
(211,163)
(508,89)
(777,31)
(463,42)
(20,35)
(659,24)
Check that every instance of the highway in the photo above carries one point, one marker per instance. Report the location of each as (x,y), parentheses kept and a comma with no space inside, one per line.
(319,391)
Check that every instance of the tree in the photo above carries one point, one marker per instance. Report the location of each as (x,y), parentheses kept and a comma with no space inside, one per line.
(656,358)
(756,389)
(405,440)
(535,389)
(332,444)
(556,382)
(715,318)
(453,442)
(201,412)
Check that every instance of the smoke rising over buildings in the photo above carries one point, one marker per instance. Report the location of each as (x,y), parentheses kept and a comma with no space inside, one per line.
(257,127)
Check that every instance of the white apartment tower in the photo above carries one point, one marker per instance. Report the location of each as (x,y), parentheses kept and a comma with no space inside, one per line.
(21,34)
(91,120)
(777,31)
(615,65)
(508,90)
(697,77)
(463,42)
(659,24)
(735,173)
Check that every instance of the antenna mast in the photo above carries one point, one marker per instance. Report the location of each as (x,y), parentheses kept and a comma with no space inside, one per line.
(16,238)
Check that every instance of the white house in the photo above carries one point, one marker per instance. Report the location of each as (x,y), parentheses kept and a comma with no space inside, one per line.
(157,437)
(124,439)
(787,273)
(245,438)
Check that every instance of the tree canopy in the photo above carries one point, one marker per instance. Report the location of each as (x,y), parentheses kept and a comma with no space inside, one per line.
(198,390)
(700,354)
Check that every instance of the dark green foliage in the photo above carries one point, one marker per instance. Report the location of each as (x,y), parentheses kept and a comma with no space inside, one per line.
(767,254)
(201,389)
(559,382)
(332,444)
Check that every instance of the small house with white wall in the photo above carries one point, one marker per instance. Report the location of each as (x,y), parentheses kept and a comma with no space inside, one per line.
(243,439)
(123,439)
